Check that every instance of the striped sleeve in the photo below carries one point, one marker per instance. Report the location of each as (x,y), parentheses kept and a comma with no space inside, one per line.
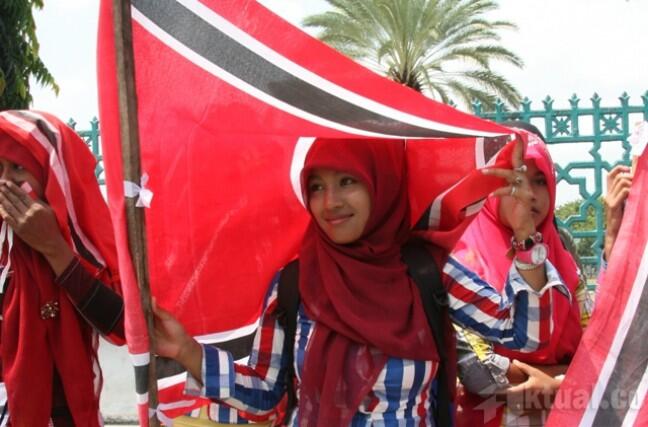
(255,388)
(518,318)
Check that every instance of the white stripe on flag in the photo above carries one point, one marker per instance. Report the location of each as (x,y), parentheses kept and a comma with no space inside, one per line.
(140,359)
(141,398)
(308,76)
(172,380)
(297,164)
(480,158)
(434,220)
(232,334)
(637,402)
(176,404)
(211,68)
(617,342)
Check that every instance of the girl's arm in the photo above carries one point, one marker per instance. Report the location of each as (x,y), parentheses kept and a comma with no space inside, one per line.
(519,318)
(256,387)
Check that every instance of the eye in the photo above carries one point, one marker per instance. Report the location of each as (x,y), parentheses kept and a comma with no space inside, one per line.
(540,180)
(314,187)
(347,180)
(18,168)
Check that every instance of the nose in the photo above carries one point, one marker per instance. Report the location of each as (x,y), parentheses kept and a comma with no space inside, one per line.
(533,194)
(332,198)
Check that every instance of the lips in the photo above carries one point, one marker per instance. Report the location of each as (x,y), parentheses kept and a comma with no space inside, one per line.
(337,219)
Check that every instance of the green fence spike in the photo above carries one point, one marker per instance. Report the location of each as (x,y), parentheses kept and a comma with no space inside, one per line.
(477,107)
(574,100)
(596,100)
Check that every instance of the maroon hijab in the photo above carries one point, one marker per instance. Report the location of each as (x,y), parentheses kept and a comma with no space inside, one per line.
(365,306)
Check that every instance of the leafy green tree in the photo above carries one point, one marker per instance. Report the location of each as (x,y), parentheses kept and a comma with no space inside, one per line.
(583,245)
(443,48)
(19,58)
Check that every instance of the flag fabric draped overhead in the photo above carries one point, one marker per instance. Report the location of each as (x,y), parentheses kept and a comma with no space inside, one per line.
(607,380)
(230,98)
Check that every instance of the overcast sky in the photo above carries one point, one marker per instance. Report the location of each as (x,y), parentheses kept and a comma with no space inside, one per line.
(568,46)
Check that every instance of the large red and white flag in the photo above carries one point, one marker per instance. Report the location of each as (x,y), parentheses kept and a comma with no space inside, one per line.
(607,381)
(230,97)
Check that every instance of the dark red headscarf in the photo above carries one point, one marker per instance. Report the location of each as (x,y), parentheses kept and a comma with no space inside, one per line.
(32,347)
(365,306)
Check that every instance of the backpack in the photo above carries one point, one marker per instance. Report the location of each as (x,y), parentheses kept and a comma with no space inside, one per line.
(422,268)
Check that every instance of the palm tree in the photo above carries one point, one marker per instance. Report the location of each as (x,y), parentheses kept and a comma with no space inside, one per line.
(443,48)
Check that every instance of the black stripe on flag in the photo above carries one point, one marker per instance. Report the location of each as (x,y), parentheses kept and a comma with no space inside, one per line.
(628,370)
(238,347)
(228,54)
(493,145)
(141,379)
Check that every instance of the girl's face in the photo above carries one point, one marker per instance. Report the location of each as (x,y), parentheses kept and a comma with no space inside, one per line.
(340,203)
(10,171)
(541,198)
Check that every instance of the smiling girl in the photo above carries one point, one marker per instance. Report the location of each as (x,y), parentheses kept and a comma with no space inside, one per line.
(364,351)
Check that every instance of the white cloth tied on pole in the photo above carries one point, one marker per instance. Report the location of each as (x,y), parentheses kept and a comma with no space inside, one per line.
(639,138)
(168,422)
(6,235)
(143,194)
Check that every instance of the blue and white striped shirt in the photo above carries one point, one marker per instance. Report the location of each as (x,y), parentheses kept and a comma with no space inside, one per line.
(405,389)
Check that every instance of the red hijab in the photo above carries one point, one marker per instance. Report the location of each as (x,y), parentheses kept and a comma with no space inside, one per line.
(365,306)
(32,347)
(483,249)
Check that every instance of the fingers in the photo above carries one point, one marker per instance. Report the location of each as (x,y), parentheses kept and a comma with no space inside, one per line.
(619,194)
(517,388)
(6,216)
(507,174)
(520,193)
(8,211)
(504,191)
(619,184)
(618,169)
(159,312)
(20,200)
(14,203)
(517,157)
(527,369)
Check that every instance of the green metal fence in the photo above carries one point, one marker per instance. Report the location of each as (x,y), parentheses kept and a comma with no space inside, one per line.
(91,138)
(585,142)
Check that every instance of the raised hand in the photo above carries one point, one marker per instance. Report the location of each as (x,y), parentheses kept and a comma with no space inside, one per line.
(619,181)
(34,222)
(519,188)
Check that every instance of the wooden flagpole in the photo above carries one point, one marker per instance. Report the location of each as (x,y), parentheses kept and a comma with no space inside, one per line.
(131,166)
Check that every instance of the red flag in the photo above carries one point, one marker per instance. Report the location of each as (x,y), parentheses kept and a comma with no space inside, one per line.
(230,97)
(607,380)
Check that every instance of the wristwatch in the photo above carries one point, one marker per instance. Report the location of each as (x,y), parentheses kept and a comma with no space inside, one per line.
(527,243)
(535,256)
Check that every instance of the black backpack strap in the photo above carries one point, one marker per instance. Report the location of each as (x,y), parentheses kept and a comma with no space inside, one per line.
(287,307)
(423,270)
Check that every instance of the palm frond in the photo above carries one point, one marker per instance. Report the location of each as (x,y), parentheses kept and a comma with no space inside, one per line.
(414,42)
